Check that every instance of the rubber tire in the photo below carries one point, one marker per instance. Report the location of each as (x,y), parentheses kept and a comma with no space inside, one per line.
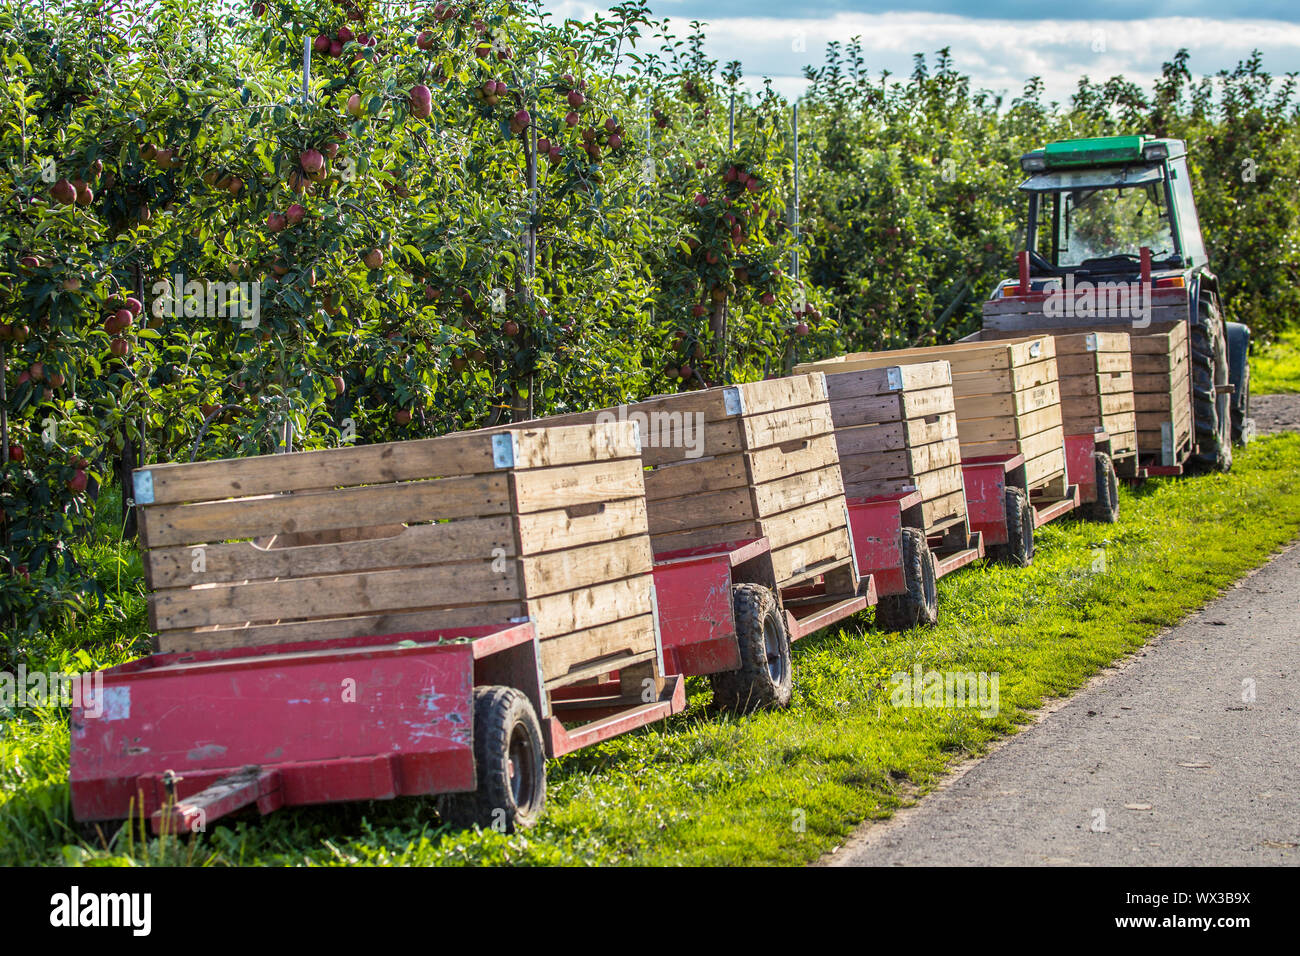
(753,686)
(1106,508)
(1211,412)
(918,606)
(501,713)
(1019,549)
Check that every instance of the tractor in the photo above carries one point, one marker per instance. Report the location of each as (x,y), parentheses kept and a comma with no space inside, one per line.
(1119,209)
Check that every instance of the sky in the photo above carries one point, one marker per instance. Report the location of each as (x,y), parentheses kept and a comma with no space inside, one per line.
(998,43)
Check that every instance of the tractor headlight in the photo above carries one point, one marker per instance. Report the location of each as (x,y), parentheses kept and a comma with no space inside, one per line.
(1034,162)
(1154,151)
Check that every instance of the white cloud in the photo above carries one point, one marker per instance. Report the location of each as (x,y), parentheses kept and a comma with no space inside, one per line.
(998,54)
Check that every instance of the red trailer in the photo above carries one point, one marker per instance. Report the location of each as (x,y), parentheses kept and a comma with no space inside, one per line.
(1002,509)
(428,617)
(749,527)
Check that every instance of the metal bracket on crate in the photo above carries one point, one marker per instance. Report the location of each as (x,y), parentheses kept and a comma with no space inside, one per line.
(503,450)
(894,378)
(733,401)
(659,642)
(1090,342)
(1166,443)
(1036,348)
(142,487)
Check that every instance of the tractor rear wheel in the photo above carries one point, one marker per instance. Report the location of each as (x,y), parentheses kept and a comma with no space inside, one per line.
(509,763)
(1106,506)
(766,674)
(918,606)
(1019,549)
(1211,411)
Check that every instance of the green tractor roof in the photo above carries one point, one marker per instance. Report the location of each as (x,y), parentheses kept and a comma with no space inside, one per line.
(1099,151)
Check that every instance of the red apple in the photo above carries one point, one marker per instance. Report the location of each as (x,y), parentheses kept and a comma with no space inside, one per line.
(576,99)
(355,107)
(345,35)
(421,102)
(16,453)
(63,193)
(120,347)
(571,118)
(339,386)
(321,44)
(401,416)
(295,213)
(133,305)
(336,48)
(276,222)
(801,328)
(374,259)
(511,328)
(77,483)
(37,371)
(311,160)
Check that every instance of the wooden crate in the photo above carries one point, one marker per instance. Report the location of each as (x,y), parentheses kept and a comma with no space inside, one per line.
(1006,396)
(469,529)
(1162,384)
(1162,392)
(1095,372)
(745,461)
(890,437)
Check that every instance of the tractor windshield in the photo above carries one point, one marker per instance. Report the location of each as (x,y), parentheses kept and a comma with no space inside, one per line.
(1103,229)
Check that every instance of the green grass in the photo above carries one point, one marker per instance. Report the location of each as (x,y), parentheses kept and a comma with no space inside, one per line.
(773,788)
(1276,368)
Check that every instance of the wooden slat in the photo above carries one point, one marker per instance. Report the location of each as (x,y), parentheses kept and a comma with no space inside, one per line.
(424,619)
(585,566)
(810,556)
(695,476)
(465,540)
(1030,447)
(1013,426)
(701,537)
(903,463)
(876,381)
(776,428)
(792,458)
(792,526)
(569,611)
(564,528)
(671,515)
(785,494)
(333,595)
(563,654)
(1040,469)
(543,489)
(449,456)
(943,509)
(404,503)
(1000,381)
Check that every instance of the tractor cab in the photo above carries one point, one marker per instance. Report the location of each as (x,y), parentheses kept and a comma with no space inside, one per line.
(1096,204)
(1116,213)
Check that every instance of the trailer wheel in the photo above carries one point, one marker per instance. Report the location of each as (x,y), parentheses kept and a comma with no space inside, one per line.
(766,673)
(510,764)
(1019,549)
(1106,508)
(919,604)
